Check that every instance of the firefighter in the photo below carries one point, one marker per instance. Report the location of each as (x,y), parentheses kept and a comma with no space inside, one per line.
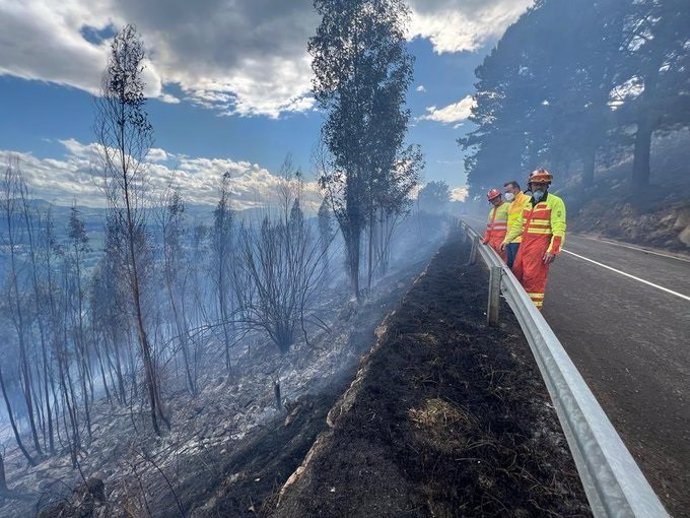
(518,201)
(542,226)
(497,223)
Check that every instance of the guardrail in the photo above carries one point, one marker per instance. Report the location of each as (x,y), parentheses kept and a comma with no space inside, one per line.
(612,480)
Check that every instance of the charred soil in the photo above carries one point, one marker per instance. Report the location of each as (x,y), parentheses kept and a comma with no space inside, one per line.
(446,417)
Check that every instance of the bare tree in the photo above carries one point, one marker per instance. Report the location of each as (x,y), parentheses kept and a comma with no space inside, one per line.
(125,135)
(283,261)
(222,262)
(32,223)
(107,301)
(13,422)
(390,201)
(175,276)
(78,247)
(326,230)
(12,191)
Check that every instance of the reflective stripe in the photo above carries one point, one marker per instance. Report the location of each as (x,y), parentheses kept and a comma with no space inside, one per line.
(542,214)
(540,231)
(541,221)
(537,299)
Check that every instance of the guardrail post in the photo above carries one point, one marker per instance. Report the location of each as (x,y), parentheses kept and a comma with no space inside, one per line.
(495,274)
(473,252)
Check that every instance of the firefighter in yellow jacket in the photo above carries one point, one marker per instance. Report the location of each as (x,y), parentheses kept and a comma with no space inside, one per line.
(497,223)
(518,201)
(542,226)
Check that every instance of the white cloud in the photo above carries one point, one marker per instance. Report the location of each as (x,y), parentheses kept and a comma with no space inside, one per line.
(157,154)
(421,88)
(245,57)
(455,112)
(458,193)
(42,40)
(76,176)
(463,25)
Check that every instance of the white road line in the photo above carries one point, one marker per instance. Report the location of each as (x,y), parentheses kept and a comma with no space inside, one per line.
(685,297)
(631,247)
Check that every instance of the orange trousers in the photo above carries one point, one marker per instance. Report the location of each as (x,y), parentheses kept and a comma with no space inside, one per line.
(495,240)
(529,267)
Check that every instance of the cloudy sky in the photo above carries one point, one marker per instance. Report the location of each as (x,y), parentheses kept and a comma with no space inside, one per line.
(228,82)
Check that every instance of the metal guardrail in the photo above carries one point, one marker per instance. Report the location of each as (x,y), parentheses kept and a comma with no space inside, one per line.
(612,480)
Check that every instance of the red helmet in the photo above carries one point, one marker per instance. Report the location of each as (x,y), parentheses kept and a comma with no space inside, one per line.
(493,193)
(540,176)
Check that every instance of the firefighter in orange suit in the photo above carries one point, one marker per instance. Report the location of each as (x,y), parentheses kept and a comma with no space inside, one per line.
(497,224)
(542,227)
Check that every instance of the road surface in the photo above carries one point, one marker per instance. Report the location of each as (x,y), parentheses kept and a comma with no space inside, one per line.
(623,315)
(631,342)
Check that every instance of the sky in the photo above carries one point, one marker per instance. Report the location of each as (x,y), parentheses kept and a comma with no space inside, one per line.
(228,83)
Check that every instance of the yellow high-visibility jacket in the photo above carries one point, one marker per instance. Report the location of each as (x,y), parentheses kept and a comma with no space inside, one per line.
(497,224)
(546,218)
(515,210)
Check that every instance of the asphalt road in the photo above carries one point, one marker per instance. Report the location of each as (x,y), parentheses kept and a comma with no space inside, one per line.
(628,333)
(631,343)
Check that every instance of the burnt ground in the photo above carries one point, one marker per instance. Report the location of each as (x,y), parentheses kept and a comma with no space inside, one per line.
(230,449)
(446,417)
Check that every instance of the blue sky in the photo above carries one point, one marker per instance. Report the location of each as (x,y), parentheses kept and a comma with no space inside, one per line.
(228,86)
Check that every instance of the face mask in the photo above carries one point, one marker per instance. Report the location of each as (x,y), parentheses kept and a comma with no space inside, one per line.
(509,196)
(537,195)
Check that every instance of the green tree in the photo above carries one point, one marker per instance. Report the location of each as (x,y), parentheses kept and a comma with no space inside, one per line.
(362,71)
(568,82)
(434,197)
(658,55)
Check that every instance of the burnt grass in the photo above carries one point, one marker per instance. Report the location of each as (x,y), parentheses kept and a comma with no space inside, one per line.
(448,417)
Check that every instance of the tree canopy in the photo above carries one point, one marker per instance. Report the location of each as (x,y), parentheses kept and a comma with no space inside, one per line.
(570,84)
